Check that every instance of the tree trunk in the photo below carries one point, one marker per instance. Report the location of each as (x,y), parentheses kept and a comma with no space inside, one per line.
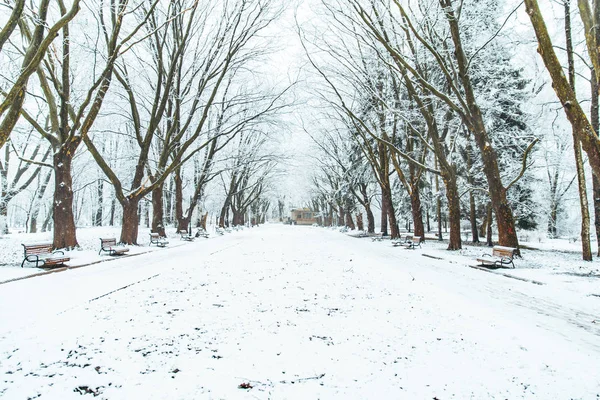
(222,216)
(129,228)
(38,203)
(203,221)
(552,231)
(583,201)
(438,203)
(472,208)
(158,225)
(428,218)
(48,221)
(384,213)
(64,220)
(182,223)
(4,215)
(595,120)
(100,196)
(113,207)
(452,195)
(393,223)
(368,210)
(168,209)
(490,221)
(483,226)
(349,221)
(473,217)
(359,222)
(417,212)
(341,213)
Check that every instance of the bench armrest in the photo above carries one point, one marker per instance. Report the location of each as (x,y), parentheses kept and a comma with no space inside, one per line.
(58,251)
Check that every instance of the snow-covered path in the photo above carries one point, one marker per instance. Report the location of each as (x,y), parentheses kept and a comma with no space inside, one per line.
(294,312)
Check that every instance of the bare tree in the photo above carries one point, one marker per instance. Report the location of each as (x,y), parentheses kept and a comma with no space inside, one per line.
(38,44)
(214,60)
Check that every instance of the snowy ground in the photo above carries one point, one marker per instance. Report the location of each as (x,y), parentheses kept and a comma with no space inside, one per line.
(288,312)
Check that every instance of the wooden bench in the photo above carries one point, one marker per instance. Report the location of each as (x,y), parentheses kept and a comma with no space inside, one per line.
(158,240)
(42,255)
(413,242)
(202,233)
(501,256)
(377,239)
(110,246)
(185,235)
(402,240)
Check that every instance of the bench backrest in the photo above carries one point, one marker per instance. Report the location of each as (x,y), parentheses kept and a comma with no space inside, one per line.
(503,251)
(40,248)
(416,239)
(153,235)
(108,242)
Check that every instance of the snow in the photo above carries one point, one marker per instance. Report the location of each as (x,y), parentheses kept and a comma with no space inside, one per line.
(298,312)
(11,251)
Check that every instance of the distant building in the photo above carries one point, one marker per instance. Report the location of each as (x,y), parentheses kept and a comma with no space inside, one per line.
(304,216)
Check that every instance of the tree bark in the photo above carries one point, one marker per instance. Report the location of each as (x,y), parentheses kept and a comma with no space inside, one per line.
(595,120)
(64,220)
(182,223)
(367,205)
(349,221)
(341,214)
(38,203)
(455,241)
(359,222)
(393,223)
(47,221)
(473,217)
(130,222)
(113,206)
(438,204)
(583,201)
(417,212)
(158,225)
(472,206)
(384,213)
(490,217)
(100,197)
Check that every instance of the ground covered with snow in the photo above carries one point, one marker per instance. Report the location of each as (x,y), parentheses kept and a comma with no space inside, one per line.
(287,312)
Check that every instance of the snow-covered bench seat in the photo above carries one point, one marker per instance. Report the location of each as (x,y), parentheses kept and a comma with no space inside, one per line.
(185,235)
(202,233)
(402,240)
(413,242)
(110,246)
(501,256)
(42,255)
(158,240)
